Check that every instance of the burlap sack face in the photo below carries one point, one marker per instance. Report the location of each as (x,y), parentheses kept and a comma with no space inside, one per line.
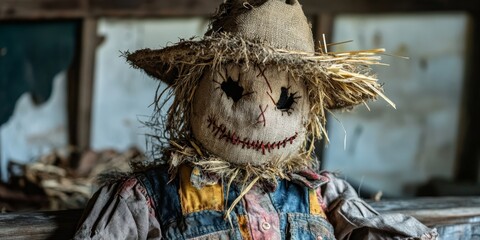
(250,117)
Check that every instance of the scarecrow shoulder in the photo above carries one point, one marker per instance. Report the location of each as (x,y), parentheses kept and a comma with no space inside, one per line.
(352,216)
(121,208)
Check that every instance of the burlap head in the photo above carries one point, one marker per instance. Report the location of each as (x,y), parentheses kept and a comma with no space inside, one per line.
(255,116)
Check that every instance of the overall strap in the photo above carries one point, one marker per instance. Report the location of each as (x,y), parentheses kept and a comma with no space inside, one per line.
(290,197)
(163,192)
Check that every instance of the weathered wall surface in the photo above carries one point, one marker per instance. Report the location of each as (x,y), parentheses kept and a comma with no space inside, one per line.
(122,94)
(394,150)
(33,130)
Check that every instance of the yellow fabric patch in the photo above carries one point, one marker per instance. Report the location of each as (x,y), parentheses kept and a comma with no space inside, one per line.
(196,172)
(243,224)
(315,207)
(193,199)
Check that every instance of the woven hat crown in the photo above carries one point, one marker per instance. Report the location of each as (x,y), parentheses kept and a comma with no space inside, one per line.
(279,23)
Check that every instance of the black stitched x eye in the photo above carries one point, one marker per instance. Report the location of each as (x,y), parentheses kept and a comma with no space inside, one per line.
(232,89)
(286,100)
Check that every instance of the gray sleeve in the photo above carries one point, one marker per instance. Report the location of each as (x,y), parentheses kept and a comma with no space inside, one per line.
(353,218)
(119,211)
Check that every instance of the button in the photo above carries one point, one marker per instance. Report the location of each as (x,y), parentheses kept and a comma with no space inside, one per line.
(266,225)
(319,238)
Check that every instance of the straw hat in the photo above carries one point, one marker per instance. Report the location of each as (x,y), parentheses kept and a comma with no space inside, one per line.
(264,33)
(270,24)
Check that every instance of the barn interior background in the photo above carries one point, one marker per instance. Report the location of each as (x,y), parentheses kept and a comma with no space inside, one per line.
(71,107)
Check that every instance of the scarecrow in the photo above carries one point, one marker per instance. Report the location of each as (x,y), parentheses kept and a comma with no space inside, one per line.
(247,102)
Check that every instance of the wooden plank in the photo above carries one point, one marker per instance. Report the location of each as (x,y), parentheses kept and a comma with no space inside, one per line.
(454,218)
(149,8)
(61,9)
(87,61)
(460,232)
(39,225)
(427,203)
(370,6)
(323,24)
(468,165)
(40,9)
(73,9)
(73,78)
(435,211)
(440,217)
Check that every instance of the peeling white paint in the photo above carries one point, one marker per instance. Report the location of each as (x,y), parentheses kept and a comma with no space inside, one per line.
(34,130)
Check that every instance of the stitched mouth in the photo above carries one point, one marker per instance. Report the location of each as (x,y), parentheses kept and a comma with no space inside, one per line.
(221,132)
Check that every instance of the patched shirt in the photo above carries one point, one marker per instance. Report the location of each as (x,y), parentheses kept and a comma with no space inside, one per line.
(151,205)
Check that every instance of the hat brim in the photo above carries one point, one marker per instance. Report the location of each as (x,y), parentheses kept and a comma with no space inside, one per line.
(344,79)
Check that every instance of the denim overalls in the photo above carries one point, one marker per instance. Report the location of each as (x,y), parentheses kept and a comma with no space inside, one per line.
(292,211)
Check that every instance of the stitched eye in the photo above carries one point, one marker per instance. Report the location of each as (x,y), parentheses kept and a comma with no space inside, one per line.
(286,100)
(232,89)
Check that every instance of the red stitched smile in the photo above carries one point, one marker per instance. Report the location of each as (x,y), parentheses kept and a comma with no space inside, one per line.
(221,132)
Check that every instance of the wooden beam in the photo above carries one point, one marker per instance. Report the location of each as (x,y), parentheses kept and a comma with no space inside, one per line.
(468,164)
(149,8)
(39,225)
(74,9)
(455,218)
(72,93)
(87,60)
(68,9)
(434,211)
(40,9)
(371,6)
(321,24)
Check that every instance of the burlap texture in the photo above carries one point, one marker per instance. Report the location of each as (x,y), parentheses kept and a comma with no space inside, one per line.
(251,130)
(281,24)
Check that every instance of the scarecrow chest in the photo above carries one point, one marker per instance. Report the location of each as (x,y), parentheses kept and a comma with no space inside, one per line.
(187,212)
